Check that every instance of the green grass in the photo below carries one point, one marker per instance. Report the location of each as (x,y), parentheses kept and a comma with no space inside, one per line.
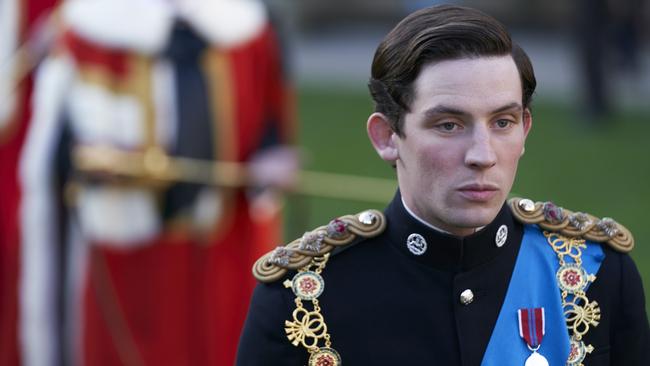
(602,171)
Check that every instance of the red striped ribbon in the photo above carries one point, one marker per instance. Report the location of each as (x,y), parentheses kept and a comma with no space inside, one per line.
(532,326)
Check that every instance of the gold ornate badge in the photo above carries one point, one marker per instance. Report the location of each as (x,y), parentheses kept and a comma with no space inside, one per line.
(325,357)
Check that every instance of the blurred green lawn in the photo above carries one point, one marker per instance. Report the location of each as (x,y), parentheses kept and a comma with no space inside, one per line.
(602,171)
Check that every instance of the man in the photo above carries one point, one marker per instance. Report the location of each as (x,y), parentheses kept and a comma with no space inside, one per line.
(451,273)
(156,262)
(23,24)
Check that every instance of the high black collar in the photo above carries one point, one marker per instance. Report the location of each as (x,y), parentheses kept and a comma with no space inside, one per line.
(449,252)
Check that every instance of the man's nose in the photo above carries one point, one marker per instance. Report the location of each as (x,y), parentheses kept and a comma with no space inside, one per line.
(480,152)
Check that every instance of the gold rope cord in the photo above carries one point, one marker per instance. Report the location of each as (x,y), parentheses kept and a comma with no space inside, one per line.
(366,224)
(574,224)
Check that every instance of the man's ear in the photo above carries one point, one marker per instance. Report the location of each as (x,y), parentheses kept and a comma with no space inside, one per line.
(383,137)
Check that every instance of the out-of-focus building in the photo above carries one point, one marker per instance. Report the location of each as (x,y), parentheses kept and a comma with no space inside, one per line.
(312,13)
(334,42)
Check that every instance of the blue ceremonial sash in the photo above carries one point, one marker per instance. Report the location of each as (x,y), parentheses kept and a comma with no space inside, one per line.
(533,285)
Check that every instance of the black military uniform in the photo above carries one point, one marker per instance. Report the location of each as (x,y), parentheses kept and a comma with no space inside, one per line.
(388,302)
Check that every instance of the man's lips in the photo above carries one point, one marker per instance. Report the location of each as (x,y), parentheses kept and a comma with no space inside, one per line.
(479,192)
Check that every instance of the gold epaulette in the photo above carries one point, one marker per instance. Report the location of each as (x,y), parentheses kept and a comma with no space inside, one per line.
(316,243)
(572,224)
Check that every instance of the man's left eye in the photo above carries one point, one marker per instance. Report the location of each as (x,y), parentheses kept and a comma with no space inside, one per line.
(503,123)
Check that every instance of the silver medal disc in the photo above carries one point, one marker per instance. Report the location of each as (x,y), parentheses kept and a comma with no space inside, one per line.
(536,360)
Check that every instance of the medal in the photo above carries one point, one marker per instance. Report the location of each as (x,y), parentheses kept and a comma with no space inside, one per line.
(532,328)
(536,360)
(325,356)
(307,285)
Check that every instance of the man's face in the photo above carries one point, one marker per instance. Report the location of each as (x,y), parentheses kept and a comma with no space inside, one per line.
(463,138)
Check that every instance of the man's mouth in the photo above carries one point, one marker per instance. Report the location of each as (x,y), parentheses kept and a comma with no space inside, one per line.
(479,192)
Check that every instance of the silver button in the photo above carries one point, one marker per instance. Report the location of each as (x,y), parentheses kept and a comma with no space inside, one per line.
(527,205)
(466,297)
(502,236)
(367,218)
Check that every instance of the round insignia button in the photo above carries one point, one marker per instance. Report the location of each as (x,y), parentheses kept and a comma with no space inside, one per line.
(572,278)
(307,285)
(502,236)
(416,244)
(325,357)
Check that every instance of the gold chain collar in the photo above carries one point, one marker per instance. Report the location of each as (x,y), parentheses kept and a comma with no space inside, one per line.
(573,280)
(308,328)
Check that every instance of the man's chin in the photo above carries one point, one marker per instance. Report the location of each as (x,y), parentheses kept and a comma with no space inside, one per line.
(473,218)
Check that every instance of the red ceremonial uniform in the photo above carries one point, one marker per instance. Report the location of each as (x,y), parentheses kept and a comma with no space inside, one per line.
(164,268)
(17,18)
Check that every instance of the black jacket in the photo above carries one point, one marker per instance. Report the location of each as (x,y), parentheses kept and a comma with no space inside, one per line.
(385,306)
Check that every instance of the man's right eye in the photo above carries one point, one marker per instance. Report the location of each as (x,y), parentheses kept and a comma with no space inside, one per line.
(447,126)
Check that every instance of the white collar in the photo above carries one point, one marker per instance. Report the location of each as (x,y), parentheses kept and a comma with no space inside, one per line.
(144,25)
(422,220)
(425,223)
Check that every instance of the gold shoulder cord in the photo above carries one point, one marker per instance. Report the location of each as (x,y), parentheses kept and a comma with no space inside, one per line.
(573,280)
(566,232)
(316,243)
(572,224)
(309,255)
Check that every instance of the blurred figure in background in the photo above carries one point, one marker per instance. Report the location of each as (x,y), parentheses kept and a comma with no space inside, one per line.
(21,24)
(608,35)
(156,269)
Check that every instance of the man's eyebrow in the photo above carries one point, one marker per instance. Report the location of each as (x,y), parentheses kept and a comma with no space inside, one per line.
(442,109)
(514,106)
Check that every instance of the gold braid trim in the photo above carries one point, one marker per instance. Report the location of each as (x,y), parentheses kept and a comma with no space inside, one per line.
(572,224)
(316,243)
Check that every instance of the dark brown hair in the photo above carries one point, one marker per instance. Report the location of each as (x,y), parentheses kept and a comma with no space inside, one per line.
(438,33)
